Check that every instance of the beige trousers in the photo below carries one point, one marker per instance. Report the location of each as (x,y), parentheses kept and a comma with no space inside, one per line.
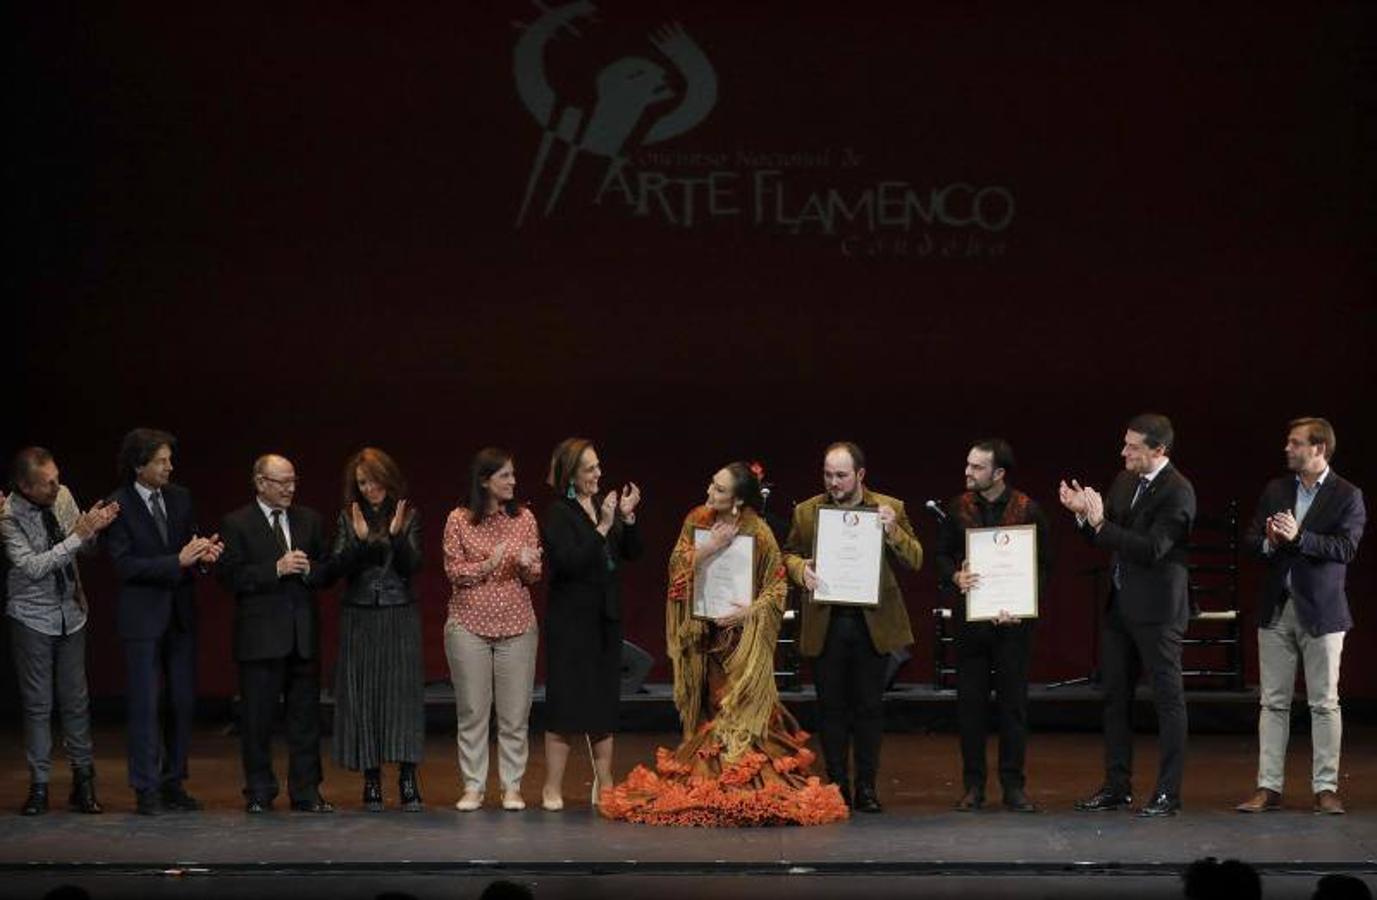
(488,673)
(1280,644)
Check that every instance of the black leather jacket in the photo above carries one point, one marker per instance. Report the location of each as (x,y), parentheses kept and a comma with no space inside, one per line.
(379,569)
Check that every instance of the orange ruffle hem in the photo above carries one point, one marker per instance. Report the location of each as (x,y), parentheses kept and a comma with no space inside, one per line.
(767,785)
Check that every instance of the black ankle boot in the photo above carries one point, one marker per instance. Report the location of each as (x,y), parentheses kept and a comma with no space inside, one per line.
(83,799)
(372,790)
(36,804)
(410,791)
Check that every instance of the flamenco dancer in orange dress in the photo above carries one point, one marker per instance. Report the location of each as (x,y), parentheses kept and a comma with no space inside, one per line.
(743,760)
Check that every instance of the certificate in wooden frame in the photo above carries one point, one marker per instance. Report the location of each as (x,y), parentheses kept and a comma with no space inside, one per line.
(724,576)
(850,573)
(1008,560)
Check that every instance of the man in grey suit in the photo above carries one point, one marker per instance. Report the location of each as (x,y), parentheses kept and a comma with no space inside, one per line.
(1307,527)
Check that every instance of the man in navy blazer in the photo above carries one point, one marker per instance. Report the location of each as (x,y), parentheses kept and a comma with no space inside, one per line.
(275,559)
(1307,527)
(157,553)
(1144,519)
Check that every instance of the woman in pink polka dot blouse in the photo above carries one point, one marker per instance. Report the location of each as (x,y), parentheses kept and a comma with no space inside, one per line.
(492,557)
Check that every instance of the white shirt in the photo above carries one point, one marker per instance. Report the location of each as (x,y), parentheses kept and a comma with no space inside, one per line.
(147,494)
(286,526)
(1151,476)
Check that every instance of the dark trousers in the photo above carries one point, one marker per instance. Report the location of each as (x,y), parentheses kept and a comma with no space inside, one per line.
(47,664)
(850,680)
(985,653)
(1128,649)
(158,749)
(297,681)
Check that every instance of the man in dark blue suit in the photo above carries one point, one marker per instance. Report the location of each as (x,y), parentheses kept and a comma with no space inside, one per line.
(1307,527)
(157,554)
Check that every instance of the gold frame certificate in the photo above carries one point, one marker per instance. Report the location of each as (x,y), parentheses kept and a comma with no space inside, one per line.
(726,580)
(1006,559)
(848,551)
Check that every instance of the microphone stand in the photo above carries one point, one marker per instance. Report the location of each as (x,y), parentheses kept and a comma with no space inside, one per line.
(1091,677)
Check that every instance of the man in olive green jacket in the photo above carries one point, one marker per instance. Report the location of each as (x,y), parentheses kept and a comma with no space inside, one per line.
(851,645)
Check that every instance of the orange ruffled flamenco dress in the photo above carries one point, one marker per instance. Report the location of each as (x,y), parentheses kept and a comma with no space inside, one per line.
(743,759)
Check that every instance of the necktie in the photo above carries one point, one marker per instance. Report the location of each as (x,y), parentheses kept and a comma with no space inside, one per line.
(155,503)
(278,532)
(55,537)
(1117,574)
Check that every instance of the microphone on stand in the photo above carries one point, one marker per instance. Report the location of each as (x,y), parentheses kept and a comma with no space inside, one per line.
(936,509)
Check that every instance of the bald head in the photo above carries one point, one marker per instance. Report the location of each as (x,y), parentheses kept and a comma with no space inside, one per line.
(274,478)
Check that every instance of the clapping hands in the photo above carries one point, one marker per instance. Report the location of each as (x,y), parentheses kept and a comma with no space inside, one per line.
(96,519)
(607,513)
(201,550)
(293,562)
(1085,502)
(1282,528)
(399,518)
(630,499)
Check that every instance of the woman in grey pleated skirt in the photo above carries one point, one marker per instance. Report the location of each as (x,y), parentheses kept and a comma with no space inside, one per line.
(379,675)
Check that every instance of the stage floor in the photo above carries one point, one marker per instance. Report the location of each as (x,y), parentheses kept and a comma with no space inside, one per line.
(919,839)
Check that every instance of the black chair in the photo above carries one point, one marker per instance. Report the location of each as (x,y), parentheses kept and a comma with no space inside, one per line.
(787,660)
(943,650)
(1213,646)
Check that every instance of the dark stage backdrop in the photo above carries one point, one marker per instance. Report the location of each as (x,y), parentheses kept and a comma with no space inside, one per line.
(694,232)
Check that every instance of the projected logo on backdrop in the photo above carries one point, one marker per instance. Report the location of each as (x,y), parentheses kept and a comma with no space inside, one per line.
(641,102)
(626,89)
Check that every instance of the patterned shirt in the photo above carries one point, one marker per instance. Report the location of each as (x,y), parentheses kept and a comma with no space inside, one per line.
(38,566)
(494,604)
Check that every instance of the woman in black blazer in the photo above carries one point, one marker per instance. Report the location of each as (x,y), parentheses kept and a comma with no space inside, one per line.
(379,675)
(586,542)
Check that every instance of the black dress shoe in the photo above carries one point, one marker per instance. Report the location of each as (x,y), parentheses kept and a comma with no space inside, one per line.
(148,803)
(1105,800)
(866,801)
(1159,805)
(318,804)
(372,790)
(972,801)
(1015,800)
(845,790)
(83,799)
(36,804)
(408,790)
(176,799)
(256,806)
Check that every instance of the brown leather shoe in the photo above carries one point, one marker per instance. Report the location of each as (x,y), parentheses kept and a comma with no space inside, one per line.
(1264,800)
(1328,803)
(973,800)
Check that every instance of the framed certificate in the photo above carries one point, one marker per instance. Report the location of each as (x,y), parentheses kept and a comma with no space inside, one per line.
(1006,559)
(848,550)
(728,578)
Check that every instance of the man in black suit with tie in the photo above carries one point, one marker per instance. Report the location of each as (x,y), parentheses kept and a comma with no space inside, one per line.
(1307,527)
(1144,521)
(274,561)
(156,553)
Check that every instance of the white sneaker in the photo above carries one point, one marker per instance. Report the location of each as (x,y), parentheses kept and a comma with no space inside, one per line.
(512,802)
(551,803)
(470,801)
